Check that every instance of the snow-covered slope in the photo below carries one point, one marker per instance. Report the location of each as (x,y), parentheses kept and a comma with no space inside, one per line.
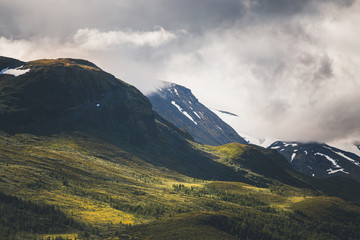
(319,160)
(14,71)
(178,105)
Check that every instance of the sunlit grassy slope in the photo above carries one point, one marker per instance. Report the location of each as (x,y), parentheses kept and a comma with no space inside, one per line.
(113,194)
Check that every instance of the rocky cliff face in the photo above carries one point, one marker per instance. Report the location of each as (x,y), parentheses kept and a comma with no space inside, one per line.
(178,105)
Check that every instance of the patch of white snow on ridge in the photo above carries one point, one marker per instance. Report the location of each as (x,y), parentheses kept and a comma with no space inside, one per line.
(346,157)
(98,105)
(178,107)
(190,102)
(290,144)
(306,152)
(276,147)
(16,72)
(332,171)
(197,114)
(176,92)
(333,161)
(183,112)
(219,128)
(188,116)
(293,156)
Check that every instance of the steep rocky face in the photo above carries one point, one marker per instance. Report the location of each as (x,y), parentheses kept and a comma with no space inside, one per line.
(48,96)
(319,160)
(178,105)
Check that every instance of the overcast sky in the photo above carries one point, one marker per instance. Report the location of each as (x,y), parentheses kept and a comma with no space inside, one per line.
(289,69)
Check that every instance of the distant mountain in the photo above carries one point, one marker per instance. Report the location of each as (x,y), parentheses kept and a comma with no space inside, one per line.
(178,105)
(319,160)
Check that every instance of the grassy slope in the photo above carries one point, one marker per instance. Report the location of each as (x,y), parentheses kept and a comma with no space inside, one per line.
(108,189)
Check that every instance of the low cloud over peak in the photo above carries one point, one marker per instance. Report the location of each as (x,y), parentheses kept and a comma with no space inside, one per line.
(288,69)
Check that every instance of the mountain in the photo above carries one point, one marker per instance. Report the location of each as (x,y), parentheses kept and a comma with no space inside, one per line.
(52,96)
(178,105)
(84,156)
(319,160)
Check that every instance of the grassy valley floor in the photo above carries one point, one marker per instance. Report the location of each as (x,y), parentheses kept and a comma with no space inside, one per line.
(78,187)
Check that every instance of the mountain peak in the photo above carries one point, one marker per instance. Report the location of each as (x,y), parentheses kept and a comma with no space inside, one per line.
(64,62)
(178,105)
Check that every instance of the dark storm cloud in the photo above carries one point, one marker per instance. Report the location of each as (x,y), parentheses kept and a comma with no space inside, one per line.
(22,19)
(58,18)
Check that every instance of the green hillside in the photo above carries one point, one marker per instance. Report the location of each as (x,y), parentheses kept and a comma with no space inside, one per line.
(70,169)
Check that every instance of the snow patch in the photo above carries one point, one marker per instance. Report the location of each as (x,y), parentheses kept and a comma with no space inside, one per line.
(346,157)
(219,128)
(290,144)
(98,105)
(176,92)
(197,114)
(190,102)
(332,171)
(183,112)
(178,107)
(16,71)
(293,156)
(276,147)
(333,161)
(188,116)
(306,152)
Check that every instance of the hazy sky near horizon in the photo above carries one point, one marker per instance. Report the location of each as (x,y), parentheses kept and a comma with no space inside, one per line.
(289,69)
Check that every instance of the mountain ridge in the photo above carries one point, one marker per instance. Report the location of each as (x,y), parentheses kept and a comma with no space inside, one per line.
(178,105)
(319,160)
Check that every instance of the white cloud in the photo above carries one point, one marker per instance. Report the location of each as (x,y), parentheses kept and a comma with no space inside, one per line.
(293,80)
(95,39)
